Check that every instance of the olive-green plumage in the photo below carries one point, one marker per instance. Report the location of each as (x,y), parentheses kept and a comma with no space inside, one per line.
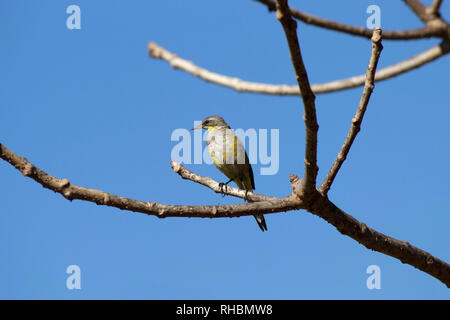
(229,156)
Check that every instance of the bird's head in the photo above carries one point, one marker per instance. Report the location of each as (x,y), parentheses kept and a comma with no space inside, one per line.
(212,122)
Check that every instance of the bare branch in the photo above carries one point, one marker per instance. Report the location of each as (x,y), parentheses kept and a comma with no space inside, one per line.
(176,62)
(357,119)
(418,8)
(308,97)
(421,33)
(391,71)
(71,192)
(215,186)
(377,241)
(434,8)
(239,85)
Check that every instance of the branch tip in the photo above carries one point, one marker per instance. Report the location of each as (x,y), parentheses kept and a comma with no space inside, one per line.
(175,166)
(357,119)
(377,33)
(153,50)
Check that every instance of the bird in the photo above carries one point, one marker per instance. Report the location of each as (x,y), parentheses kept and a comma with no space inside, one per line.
(229,156)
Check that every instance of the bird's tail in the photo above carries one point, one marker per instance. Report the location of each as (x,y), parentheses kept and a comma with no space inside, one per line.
(261,222)
(258,217)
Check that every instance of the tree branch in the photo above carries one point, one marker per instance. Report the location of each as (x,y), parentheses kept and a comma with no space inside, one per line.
(434,8)
(418,8)
(239,85)
(357,119)
(421,33)
(215,186)
(308,97)
(319,205)
(71,192)
(377,241)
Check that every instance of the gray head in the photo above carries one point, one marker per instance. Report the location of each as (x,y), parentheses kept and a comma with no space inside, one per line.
(213,122)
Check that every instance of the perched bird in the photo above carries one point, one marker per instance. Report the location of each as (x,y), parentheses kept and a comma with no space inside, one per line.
(229,156)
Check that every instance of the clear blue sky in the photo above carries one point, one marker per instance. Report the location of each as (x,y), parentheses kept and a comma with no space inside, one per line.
(91,106)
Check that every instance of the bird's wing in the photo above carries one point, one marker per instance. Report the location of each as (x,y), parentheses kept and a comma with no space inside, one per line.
(248,179)
(250,172)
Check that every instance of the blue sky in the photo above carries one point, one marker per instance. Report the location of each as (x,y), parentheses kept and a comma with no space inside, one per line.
(89,105)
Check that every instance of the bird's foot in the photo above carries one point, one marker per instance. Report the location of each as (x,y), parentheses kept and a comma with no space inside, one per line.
(221,185)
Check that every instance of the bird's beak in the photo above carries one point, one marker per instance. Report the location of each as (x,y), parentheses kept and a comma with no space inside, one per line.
(197,127)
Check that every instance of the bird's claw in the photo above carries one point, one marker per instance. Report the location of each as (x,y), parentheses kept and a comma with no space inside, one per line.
(221,185)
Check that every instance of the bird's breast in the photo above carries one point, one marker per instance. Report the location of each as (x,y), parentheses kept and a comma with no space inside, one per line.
(224,146)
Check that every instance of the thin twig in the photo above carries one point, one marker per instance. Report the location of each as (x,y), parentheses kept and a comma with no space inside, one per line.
(216,187)
(418,8)
(357,119)
(434,7)
(308,97)
(421,33)
(239,85)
